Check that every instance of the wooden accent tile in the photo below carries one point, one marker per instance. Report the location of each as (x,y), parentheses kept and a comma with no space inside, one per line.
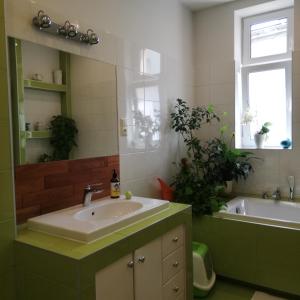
(24,214)
(44,169)
(80,165)
(48,195)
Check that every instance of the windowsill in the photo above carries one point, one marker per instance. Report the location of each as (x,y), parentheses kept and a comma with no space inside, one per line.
(264,148)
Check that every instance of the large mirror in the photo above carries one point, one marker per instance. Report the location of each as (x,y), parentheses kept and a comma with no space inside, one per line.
(64,106)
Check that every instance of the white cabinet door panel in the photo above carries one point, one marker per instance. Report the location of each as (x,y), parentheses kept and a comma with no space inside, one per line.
(115,282)
(148,271)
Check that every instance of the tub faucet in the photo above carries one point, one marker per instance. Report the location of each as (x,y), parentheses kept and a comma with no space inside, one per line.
(291,181)
(89,191)
(276,195)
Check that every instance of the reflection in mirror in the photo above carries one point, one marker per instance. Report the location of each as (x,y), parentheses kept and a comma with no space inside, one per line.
(144,105)
(46,83)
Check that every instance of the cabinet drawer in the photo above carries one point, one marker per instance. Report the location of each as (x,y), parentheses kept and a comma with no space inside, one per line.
(173,263)
(173,240)
(174,287)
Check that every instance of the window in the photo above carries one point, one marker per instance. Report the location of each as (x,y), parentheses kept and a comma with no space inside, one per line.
(266,78)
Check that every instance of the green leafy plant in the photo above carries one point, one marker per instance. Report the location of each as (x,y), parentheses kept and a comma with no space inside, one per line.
(63,137)
(209,164)
(224,163)
(264,129)
(191,183)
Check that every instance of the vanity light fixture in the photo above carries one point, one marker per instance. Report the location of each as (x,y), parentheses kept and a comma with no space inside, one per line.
(42,20)
(68,30)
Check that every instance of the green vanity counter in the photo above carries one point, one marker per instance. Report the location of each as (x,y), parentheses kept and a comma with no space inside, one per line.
(50,267)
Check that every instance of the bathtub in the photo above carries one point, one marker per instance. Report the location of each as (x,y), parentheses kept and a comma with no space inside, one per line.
(262,211)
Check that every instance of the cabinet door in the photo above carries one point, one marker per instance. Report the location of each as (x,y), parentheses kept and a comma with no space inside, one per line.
(116,280)
(148,271)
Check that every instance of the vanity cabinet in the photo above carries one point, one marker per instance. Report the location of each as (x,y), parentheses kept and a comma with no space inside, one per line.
(148,260)
(154,271)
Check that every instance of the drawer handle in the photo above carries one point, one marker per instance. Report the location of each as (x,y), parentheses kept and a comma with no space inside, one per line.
(176,289)
(175,264)
(141,259)
(175,239)
(130,264)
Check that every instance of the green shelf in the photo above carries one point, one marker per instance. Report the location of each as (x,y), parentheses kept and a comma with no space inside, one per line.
(44,86)
(37,134)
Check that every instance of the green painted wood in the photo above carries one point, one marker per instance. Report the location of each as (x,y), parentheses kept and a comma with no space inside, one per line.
(65,61)
(17,93)
(7,214)
(44,86)
(258,254)
(37,134)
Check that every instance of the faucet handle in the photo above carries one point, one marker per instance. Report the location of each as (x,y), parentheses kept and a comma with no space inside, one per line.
(276,195)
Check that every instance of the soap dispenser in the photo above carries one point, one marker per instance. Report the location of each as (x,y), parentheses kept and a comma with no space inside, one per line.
(115,185)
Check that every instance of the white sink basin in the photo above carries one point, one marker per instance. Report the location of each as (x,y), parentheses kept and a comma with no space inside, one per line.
(113,210)
(86,224)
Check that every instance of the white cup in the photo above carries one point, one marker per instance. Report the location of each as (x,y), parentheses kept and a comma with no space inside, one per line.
(57,76)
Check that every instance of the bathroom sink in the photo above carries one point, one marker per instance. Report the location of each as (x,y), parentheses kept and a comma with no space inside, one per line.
(102,217)
(108,211)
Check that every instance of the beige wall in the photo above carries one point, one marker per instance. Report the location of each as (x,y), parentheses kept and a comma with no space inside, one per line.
(127,27)
(214,83)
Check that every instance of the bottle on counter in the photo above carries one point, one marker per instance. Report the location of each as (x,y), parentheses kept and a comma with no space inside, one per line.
(115,186)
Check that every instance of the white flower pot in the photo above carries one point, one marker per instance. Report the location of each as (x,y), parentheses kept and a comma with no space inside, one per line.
(228,187)
(259,140)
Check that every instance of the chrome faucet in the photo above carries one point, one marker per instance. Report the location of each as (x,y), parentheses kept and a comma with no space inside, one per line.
(276,195)
(89,191)
(291,181)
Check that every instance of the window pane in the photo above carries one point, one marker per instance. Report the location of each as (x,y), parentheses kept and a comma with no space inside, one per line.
(267,100)
(269,38)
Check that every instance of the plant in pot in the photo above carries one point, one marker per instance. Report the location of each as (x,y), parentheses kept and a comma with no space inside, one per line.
(63,138)
(261,135)
(192,183)
(226,164)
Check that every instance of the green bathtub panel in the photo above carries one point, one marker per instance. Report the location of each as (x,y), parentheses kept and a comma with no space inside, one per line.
(38,288)
(262,255)
(6,205)
(6,245)
(231,245)
(62,269)
(278,264)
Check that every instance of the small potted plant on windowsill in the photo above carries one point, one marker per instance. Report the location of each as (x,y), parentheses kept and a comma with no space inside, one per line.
(261,135)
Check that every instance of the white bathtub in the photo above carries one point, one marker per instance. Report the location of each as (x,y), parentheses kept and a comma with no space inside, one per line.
(263,211)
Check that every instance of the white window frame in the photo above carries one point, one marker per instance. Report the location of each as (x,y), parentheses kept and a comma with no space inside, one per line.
(247,138)
(248,22)
(260,64)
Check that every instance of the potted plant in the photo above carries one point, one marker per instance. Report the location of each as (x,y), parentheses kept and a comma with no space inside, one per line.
(261,135)
(63,138)
(192,185)
(226,164)
(209,164)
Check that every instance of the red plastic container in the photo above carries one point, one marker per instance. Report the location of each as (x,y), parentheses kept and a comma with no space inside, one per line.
(166,191)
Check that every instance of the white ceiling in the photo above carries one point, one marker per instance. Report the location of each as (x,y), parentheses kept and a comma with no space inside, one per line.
(200,4)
